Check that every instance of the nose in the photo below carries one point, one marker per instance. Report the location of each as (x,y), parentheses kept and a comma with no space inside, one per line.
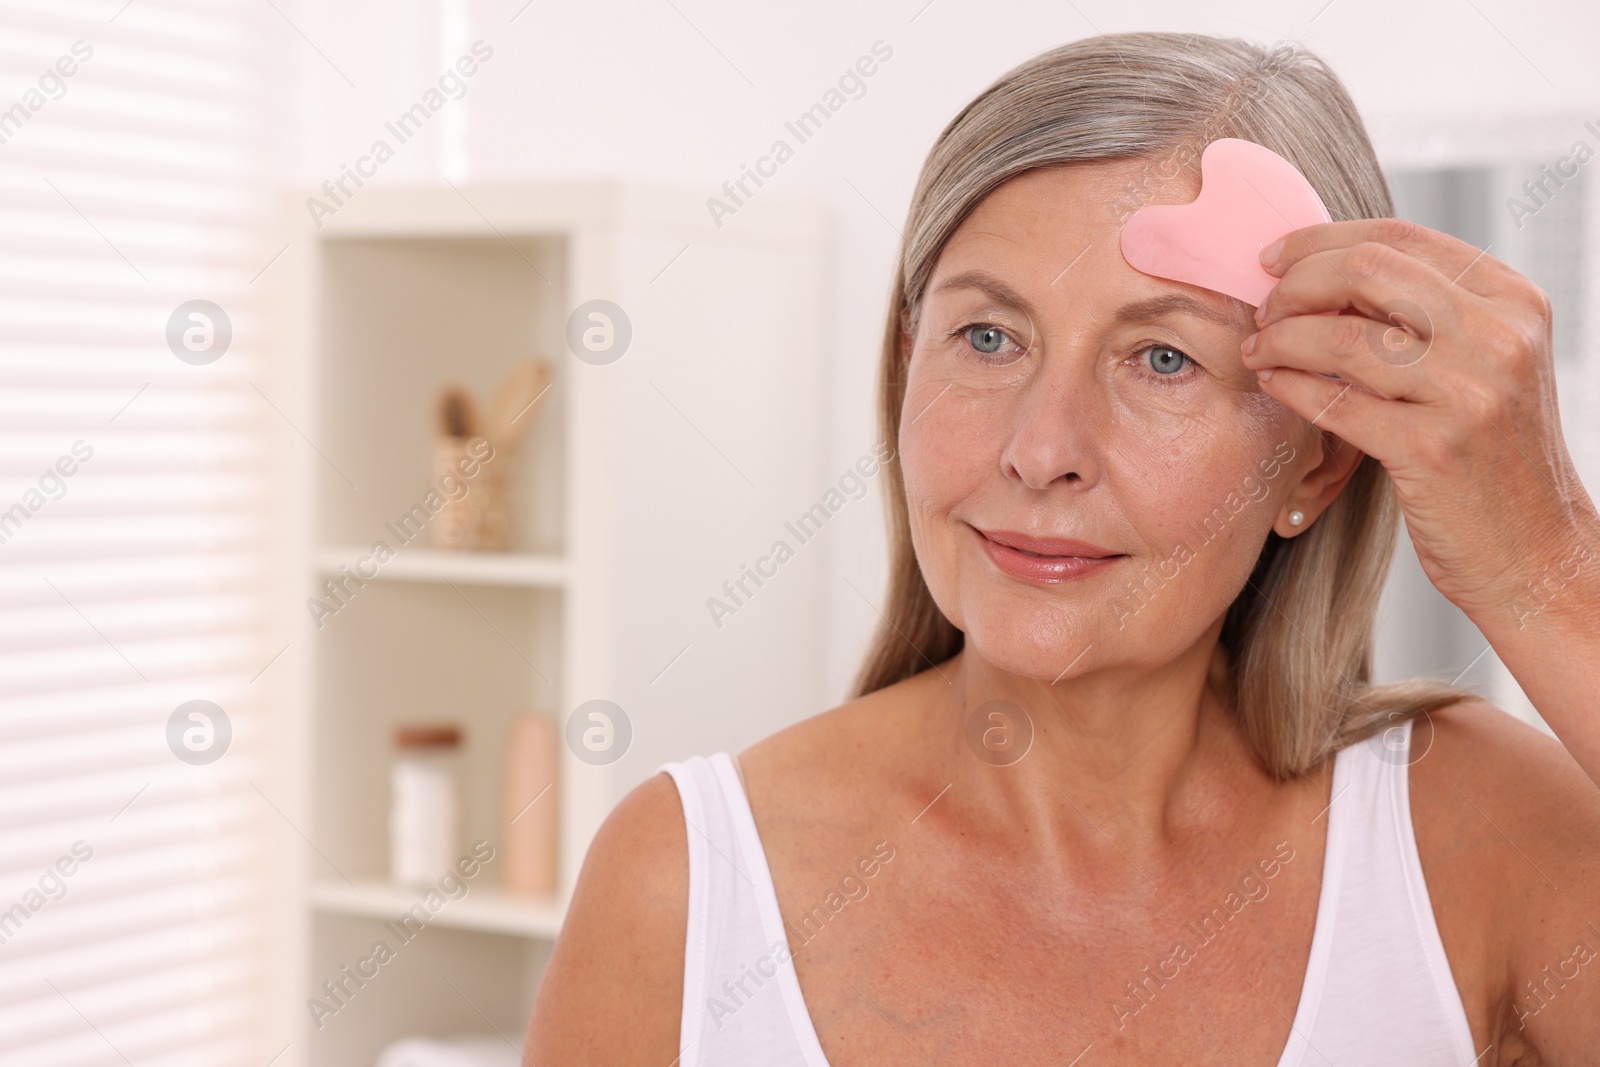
(1058,433)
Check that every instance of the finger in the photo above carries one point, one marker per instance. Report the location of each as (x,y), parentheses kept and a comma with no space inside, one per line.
(1379,356)
(1375,279)
(1368,422)
(1460,262)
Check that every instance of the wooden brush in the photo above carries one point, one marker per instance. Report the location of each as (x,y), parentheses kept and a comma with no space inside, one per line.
(512,411)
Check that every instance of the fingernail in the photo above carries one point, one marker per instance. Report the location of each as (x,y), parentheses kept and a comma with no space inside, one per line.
(1264,373)
(1249,344)
(1270,254)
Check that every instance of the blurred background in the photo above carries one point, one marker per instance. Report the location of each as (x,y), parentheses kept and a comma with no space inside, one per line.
(403,408)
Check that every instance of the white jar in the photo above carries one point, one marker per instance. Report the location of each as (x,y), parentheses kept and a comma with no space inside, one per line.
(424,814)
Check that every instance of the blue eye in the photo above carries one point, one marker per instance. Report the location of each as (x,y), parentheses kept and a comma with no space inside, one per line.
(986,339)
(1166,360)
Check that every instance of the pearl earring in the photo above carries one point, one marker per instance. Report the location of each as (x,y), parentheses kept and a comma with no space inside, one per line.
(1296,518)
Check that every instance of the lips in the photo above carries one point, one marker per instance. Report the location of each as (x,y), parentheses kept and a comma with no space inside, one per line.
(1044,559)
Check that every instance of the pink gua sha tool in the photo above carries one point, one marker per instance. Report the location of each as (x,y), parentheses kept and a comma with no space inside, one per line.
(1249,197)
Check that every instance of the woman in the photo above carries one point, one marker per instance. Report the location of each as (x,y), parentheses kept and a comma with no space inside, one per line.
(1116,787)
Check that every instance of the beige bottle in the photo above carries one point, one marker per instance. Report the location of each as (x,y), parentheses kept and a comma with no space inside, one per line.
(531,804)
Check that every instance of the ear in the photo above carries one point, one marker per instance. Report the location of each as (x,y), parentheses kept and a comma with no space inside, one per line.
(1320,486)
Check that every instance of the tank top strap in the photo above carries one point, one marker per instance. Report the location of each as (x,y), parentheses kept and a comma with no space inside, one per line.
(741,1001)
(1378,988)
(696,783)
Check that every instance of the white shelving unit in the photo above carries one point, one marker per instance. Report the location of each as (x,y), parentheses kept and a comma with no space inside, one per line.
(642,484)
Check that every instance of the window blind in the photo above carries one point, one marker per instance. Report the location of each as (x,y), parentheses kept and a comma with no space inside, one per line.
(133,537)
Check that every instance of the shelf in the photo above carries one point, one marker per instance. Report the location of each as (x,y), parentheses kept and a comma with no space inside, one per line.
(408,289)
(476,568)
(483,908)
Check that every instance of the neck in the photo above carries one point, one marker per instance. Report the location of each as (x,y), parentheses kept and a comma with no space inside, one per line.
(1130,748)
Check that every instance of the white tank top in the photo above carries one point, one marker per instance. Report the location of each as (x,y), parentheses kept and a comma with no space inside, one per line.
(1377,990)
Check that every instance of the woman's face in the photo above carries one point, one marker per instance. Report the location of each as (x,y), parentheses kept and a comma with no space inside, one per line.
(1054,392)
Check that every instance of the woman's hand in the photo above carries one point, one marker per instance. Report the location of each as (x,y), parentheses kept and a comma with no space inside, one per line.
(1449,381)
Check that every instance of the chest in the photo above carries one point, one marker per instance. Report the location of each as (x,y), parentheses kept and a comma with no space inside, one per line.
(941,959)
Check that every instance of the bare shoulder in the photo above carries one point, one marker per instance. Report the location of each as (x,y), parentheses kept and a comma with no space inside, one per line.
(612,992)
(1475,764)
(1508,830)
(842,743)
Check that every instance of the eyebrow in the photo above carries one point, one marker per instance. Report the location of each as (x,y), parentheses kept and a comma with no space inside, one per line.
(1139,311)
(986,283)
(1182,303)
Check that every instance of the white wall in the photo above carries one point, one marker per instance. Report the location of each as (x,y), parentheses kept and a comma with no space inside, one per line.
(685,91)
